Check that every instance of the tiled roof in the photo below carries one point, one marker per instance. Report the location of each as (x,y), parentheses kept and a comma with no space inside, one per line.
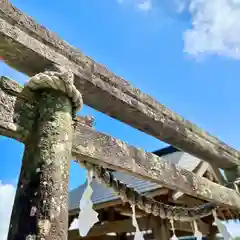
(102,194)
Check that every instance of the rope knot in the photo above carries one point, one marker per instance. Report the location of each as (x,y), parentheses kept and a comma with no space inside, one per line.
(59,79)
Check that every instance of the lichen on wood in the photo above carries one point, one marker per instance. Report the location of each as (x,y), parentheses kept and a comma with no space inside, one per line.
(16,114)
(113,153)
(30,48)
(41,203)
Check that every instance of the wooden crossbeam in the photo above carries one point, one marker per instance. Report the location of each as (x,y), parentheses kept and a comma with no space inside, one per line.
(112,153)
(200,171)
(17,115)
(30,48)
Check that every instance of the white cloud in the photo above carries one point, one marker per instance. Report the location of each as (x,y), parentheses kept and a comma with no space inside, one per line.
(180,5)
(7,194)
(215,24)
(215,28)
(143,5)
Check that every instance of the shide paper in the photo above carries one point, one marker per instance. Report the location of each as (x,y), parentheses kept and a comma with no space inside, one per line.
(87,215)
(138,233)
(222,228)
(174,237)
(197,233)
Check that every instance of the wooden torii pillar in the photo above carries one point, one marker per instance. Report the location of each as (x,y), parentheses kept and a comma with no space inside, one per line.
(21,36)
(41,203)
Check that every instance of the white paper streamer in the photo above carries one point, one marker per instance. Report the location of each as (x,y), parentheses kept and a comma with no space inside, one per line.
(197,233)
(174,237)
(86,197)
(138,233)
(74,224)
(87,216)
(222,228)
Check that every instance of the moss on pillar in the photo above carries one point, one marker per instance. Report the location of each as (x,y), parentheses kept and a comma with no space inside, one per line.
(41,204)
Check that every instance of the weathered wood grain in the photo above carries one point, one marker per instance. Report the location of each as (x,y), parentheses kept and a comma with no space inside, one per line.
(200,172)
(110,152)
(30,48)
(114,154)
(40,209)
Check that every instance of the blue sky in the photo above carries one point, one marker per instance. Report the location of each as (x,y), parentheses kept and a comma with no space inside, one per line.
(184,53)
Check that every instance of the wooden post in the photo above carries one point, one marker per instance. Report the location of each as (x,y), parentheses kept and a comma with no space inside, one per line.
(213,233)
(40,209)
(160,228)
(165,229)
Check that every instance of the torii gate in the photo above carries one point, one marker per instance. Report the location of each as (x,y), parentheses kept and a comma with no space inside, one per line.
(40,116)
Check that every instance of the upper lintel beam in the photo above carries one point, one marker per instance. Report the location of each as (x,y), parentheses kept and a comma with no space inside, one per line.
(29,47)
